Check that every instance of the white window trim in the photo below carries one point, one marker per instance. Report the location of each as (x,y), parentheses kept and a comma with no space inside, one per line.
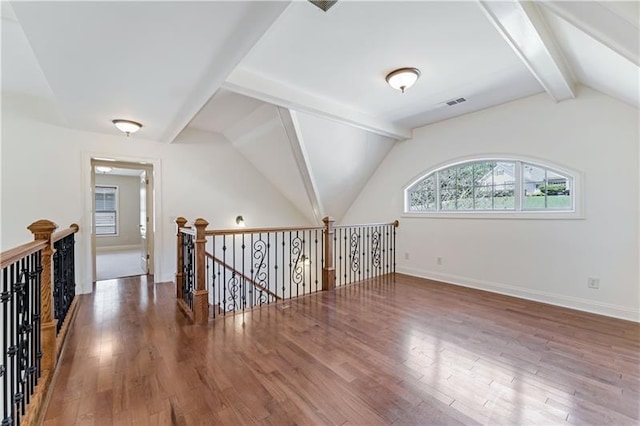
(577,212)
(117,234)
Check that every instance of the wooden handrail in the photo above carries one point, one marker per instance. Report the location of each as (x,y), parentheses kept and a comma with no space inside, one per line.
(61,234)
(261,230)
(250,280)
(13,255)
(394,223)
(188,230)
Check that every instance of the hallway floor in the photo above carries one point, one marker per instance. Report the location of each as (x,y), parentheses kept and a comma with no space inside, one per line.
(406,352)
(118,264)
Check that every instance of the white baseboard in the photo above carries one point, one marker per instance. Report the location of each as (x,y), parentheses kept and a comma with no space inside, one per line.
(586,305)
(119,248)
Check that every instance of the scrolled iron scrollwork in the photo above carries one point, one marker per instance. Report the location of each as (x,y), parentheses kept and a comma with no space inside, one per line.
(260,273)
(355,251)
(234,296)
(297,260)
(375,252)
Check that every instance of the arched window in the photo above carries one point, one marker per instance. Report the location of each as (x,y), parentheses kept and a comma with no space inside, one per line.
(490,185)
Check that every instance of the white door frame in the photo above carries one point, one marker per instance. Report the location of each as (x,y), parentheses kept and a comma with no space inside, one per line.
(155,188)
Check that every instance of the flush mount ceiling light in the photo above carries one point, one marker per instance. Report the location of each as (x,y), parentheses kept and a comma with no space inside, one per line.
(103,169)
(403,78)
(127,126)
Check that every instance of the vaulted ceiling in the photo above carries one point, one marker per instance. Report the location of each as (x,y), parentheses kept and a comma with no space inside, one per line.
(306,77)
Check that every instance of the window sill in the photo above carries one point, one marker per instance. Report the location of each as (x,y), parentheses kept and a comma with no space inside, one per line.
(528,215)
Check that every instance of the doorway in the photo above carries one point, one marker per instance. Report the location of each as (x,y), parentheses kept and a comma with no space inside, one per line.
(122,219)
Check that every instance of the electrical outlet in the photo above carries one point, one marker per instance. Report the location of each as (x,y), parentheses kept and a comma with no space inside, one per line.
(406,255)
(438,261)
(593,282)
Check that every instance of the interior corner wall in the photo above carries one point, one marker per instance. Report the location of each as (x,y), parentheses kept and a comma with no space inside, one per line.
(128,205)
(546,260)
(44,175)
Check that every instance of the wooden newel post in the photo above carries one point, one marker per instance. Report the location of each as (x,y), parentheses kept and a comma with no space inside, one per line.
(181,222)
(200,293)
(329,270)
(42,230)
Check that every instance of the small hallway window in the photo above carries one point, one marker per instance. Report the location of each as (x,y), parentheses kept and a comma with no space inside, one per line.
(106,210)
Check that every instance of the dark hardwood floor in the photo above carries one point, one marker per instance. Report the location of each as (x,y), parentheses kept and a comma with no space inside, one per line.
(405,352)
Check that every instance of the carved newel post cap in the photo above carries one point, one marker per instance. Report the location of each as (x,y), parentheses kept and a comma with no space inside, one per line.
(181,221)
(42,229)
(200,222)
(328,219)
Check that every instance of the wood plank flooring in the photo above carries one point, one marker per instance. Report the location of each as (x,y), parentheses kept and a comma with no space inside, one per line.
(407,352)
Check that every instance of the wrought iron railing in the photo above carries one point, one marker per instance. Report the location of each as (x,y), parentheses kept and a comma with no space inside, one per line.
(21,333)
(64,277)
(28,339)
(249,268)
(188,253)
(234,270)
(364,251)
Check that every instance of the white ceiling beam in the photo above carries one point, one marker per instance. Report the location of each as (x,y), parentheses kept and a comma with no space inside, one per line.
(524,29)
(602,22)
(292,128)
(248,34)
(250,84)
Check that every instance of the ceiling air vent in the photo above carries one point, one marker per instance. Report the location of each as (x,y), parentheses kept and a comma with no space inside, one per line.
(453,102)
(324,5)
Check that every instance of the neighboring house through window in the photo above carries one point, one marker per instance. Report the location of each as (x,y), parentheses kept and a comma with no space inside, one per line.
(492,185)
(106,210)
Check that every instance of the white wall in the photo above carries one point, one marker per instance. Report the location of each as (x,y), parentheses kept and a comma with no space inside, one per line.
(46,169)
(128,211)
(546,260)
(342,158)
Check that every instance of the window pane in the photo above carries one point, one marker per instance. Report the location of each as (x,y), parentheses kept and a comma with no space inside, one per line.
(448,189)
(105,223)
(464,187)
(504,176)
(483,197)
(106,210)
(423,195)
(545,190)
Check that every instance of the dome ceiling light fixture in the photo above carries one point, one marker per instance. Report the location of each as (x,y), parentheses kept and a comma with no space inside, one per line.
(127,126)
(103,169)
(403,78)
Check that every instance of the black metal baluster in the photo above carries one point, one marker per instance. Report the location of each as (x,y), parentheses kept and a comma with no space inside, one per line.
(5,298)
(221,306)
(214,284)
(322,252)
(284,268)
(12,340)
(253,274)
(394,249)
(347,271)
(316,258)
(224,273)
(268,286)
(30,317)
(275,266)
(244,271)
(367,253)
(239,301)
(290,279)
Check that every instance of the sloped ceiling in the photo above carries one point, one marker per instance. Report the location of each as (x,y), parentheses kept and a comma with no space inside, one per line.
(342,158)
(300,92)
(152,62)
